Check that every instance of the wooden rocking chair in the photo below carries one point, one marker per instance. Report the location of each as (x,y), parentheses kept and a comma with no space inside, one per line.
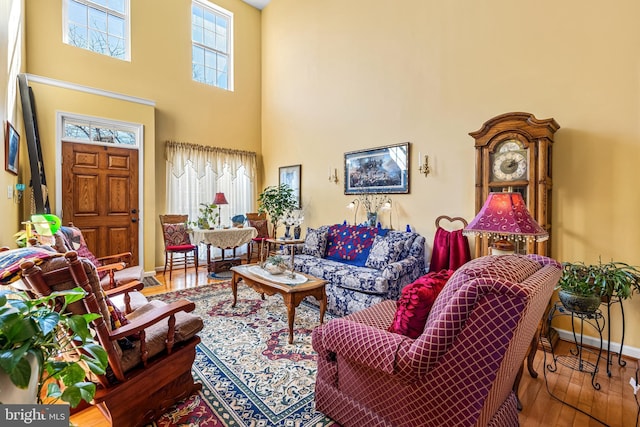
(153,370)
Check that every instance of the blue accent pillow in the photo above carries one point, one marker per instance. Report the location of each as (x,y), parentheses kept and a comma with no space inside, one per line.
(350,244)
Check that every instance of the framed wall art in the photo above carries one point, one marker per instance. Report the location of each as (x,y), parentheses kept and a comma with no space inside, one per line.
(382,170)
(11,149)
(290,175)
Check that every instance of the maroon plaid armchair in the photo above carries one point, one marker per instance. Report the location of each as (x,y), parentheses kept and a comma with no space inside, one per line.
(459,372)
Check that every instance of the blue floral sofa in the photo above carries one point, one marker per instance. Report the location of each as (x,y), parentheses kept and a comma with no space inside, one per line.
(363,265)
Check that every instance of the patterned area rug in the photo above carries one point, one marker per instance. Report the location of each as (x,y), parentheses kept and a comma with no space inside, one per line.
(251,376)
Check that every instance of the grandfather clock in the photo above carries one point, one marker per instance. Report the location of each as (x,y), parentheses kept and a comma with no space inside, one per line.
(513,153)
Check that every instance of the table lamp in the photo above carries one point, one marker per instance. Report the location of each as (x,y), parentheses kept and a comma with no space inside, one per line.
(219,199)
(505,217)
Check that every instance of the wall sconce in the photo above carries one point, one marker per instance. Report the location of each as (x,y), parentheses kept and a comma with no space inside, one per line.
(19,191)
(423,165)
(333,175)
(355,204)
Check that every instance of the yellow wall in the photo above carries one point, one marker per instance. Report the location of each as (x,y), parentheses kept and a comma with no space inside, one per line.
(159,70)
(12,48)
(51,100)
(347,75)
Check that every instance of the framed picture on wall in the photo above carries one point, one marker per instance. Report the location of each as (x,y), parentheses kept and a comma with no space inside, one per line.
(11,149)
(381,170)
(290,175)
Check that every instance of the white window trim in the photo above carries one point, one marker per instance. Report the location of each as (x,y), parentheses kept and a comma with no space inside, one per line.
(127,26)
(138,128)
(230,41)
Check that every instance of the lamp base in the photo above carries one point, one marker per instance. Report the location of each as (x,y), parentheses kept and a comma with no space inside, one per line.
(503,247)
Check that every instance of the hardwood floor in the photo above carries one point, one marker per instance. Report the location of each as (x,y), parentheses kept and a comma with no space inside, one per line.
(614,404)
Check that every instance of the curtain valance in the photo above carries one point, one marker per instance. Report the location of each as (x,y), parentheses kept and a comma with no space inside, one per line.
(200,156)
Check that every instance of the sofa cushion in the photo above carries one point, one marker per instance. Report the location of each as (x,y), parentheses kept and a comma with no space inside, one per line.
(315,242)
(407,237)
(415,303)
(384,251)
(351,244)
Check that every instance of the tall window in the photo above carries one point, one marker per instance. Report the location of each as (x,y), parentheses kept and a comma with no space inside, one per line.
(101,26)
(196,173)
(212,44)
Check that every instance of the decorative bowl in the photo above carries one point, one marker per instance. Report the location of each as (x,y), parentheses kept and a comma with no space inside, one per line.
(274,268)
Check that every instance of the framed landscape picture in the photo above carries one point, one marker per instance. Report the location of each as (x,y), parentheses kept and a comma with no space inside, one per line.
(11,149)
(290,175)
(381,170)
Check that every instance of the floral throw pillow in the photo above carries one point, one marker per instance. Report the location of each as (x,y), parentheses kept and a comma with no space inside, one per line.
(415,303)
(383,252)
(176,234)
(315,242)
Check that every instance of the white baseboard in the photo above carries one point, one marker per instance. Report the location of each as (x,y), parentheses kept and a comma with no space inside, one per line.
(628,351)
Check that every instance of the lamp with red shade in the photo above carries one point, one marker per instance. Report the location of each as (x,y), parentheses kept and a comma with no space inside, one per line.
(219,199)
(505,218)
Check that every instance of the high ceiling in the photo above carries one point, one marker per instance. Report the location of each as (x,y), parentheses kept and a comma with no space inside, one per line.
(260,4)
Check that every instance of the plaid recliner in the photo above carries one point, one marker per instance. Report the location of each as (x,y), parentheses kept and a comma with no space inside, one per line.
(459,372)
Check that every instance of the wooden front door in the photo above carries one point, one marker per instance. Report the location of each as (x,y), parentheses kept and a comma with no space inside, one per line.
(100,196)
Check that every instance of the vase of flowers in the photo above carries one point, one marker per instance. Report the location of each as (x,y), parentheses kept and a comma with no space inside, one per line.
(372,204)
(294,219)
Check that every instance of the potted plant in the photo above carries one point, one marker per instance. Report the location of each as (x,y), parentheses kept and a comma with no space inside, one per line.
(208,216)
(277,202)
(583,287)
(34,333)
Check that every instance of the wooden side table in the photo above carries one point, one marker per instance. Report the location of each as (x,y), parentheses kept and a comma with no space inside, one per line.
(283,243)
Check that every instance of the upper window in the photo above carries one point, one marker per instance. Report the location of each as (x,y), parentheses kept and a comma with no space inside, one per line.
(95,131)
(101,26)
(212,44)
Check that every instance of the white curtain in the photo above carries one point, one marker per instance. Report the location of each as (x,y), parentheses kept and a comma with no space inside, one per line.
(195,173)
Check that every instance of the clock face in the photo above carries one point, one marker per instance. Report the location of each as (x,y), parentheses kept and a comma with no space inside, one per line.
(509,162)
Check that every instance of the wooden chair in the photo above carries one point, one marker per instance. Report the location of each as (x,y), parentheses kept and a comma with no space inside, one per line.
(260,223)
(114,270)
(177,240)
(153,370)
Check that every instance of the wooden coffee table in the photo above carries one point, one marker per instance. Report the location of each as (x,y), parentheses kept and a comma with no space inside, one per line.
(291,294)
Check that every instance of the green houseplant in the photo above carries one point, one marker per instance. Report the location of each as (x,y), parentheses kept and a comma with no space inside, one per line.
(277,202)
(208,216)
(596,283)
(34,328)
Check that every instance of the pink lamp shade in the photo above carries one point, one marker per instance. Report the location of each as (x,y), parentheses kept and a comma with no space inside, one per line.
(505,215)
(219,199)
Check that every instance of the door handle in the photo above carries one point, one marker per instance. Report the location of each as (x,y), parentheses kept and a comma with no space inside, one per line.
(134,219)
(134,211)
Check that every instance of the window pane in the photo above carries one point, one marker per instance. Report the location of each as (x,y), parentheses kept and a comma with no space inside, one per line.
(77,131)
(209,38)
(222,63)
(78,36)
(97,41)
(221,25)
(117,5)
(209,20)
(77,13)
(198,55)
(128,138)
(100,2)
(198,72)
(222,80)
(116,26)
(221,44)
(210,59)
(196,34)
(97,20)
(116,47)
(209,76)
(196,15)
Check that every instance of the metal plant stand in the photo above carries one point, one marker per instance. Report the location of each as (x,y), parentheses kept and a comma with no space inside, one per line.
(578,357)
(609,303)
